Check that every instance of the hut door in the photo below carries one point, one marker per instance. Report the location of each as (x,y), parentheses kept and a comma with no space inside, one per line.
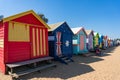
(81,42)
(66,46)
(38,42)
(58,43)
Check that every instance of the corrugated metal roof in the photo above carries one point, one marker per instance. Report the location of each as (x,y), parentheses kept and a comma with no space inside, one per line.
(54,26)
(76,30)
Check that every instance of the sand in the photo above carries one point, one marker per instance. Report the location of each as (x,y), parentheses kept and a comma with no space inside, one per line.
(106,67)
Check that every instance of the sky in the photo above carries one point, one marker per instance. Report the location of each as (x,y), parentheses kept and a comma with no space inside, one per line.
(102,16)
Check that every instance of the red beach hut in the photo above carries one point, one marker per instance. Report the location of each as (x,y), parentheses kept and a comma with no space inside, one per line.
(23,37)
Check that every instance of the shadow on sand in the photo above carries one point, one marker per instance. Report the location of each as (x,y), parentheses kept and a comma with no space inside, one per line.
(78,67)
(62,71)
(110,50)
(105,52)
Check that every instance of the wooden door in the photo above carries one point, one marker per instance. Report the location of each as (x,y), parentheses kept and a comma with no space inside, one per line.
(39,42)
(58,44)
(81,42)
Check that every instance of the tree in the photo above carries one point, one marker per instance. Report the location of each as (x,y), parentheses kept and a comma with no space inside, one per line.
(1,17)
(42,16)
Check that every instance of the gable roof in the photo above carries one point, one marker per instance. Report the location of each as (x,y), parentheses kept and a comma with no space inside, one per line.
(78,29)
(55,26)
(95,33)
(23,14)
(88,32)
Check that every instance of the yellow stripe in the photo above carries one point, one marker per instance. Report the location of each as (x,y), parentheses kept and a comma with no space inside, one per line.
(37,42)
(1,43)
(10,31)
(33,34)
(41,42)
(44,42)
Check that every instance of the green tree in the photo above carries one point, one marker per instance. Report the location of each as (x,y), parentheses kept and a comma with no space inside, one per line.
(1,17)
(42,16)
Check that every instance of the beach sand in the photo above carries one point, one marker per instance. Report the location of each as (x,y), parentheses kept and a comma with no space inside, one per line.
(106,67)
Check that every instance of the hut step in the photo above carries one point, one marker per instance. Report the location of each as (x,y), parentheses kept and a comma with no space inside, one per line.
(65,59)
(17,64)
(17,74)
(34,62)
(87,54)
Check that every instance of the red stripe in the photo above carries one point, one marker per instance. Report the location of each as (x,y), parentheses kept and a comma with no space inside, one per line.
(31,44)
(6,42)
(47,51)
(42,43)
(31,47)
(39,41)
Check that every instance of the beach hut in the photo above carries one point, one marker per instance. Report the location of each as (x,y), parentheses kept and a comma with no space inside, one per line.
(96,39)
(79,40)
(60,42)
(90,36)
(105,42)
(23,40)
(101,41)
(112,43)
(109,42)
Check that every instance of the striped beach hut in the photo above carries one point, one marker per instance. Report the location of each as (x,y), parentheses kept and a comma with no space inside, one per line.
(79,40)
(23,37)
(96,39)
(60,42)
(90,36)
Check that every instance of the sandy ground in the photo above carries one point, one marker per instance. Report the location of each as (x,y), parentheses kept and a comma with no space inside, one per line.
(106,67)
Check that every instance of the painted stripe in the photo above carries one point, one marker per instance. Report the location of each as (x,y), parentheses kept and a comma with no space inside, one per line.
(37,40)
(44,42)
(33,34)
(47,51)
(1,43)
(41,42)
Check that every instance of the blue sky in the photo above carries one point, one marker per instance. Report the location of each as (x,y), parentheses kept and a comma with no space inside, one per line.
(102,16)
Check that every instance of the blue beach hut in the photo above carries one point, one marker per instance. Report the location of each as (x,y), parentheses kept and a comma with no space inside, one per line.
(60,42)
(79,40)
(101,41)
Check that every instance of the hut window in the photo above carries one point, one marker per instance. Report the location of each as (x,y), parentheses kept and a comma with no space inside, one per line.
(74,41)
(18,32)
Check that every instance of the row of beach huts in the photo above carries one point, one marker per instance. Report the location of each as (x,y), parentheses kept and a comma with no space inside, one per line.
(25,39)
